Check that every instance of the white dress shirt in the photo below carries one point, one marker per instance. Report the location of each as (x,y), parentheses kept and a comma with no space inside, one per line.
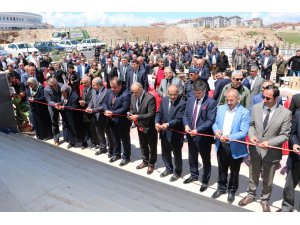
(228,120)
(137,102)
(266,61)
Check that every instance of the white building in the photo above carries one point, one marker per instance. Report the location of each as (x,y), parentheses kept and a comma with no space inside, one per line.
(20,20)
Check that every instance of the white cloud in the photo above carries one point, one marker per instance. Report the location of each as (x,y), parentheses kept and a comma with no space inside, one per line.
(95,19)
(281,17)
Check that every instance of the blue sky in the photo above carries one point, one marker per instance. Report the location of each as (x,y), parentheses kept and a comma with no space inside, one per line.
(71,19)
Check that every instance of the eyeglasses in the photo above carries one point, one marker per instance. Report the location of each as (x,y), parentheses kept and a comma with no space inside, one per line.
(238,79)
(268,87)
(94,65)
(267,98)
(253,71)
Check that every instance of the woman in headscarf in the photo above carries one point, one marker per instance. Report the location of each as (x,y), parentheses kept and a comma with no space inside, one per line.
(73,129)
(40,114)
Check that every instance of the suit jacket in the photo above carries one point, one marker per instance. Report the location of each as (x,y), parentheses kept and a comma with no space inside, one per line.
(204,73)
(145,67)
(295,103)
(256,86)
(86,70)
(295,139)
(109,76)
(173,117)
(146,112)
(246,84)
(121,106)
(172,65)
(163,86)
(270,62)
(51,96)
(127,72)
(205,120)
(98,104)
(87,96)
(239,129)
(141,77)
(219,85)
(258,99)
(276,132)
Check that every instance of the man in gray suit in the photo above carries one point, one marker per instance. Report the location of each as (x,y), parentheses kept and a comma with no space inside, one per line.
(168,81)
(270,125)
(255,81)
(96,106)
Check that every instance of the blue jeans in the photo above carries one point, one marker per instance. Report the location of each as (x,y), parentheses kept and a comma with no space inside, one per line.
(295,73)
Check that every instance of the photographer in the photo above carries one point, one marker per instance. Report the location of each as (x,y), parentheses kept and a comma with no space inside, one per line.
(73,79)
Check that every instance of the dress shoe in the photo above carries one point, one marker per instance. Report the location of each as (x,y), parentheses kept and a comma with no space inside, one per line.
(230,198)
(246,200)
(84,146)
(109,155)
(203,187)
(166,173)
(217,194)
(265,206)
(70,145)
(124,162)
(174,178)
(114,158)
(56,144)
(100,152)
(94,146)
(190,180)
(142,165)
(150,169)
(279,210)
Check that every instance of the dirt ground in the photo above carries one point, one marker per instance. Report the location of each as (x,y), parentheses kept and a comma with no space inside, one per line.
(223,37)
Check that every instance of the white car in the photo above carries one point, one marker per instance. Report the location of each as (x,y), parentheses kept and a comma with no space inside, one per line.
(88,44)
(16,48)
(69,45)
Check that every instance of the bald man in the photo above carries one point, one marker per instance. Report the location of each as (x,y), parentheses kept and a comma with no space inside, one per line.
(230,154)
(170,116)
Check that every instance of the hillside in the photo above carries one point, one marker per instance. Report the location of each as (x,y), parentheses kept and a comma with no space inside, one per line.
(223,37)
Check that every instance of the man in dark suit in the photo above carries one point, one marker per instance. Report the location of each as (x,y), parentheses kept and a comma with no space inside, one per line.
(88,119)
(59,74)
(223,78)
(83,68)
(117,101)
(270,125)
(199,116)
(170,61)
(266,65)
(96,106)
(53,97)
(295,103)
(124,70)
(293,163)
(142,111)
(170,116)
(143,65)
(203,70)
(109,72)
(137,74)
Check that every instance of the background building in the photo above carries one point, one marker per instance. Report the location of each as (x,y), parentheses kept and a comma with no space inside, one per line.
(20,20)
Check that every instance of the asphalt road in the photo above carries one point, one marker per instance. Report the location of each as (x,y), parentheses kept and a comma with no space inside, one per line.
(36,176)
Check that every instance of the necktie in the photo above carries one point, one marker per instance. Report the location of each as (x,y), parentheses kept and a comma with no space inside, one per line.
(113,101)
(138,103)
(266,120)
(97,95)
(195,114)
(123,74)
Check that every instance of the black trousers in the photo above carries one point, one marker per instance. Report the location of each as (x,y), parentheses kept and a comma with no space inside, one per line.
(292,179)
(225,162)
(278,80)
(91,133)
(266,74)
(204,148)
(101,130)
(148,145)
(54,115)
(166,149)
(120,133)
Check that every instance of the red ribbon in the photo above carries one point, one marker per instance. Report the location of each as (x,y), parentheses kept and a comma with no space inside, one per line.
(180,132)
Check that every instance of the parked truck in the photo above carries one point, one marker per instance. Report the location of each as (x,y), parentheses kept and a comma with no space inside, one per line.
(78,35)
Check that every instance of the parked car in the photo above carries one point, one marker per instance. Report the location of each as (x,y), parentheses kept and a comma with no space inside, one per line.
(3,52)
(48,46)
(21,47)
(69,45)
(88,44)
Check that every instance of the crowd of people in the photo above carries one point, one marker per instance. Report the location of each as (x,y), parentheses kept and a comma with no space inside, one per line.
(164,92)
